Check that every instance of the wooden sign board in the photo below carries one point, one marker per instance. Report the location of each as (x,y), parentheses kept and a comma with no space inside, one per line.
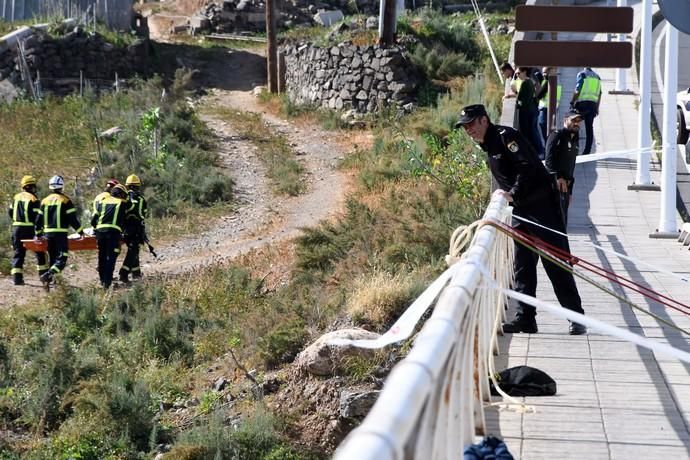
(604,19)
(529,53)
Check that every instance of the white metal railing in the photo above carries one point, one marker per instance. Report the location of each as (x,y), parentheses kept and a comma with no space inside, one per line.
(431,405)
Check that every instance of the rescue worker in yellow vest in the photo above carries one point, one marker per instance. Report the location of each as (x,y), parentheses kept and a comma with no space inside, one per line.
(54,218)
(586,99)
(105,193)
(108,221)
(23,211)
(134,230)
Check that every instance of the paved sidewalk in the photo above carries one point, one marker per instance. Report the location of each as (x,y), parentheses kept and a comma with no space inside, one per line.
(615,400)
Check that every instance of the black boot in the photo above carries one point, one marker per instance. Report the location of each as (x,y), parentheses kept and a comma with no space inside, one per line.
(124,276)
(46,279)
(521,324)
(18,279)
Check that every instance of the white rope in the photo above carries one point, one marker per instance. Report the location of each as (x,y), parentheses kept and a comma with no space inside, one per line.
(405,325)
(478,13)
(592,323)
(612,154)
(611,251)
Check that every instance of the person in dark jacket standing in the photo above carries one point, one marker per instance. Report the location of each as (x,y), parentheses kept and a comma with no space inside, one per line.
(54,218)
(528,110)
(562,148)
(108,221)
(23,211)
(528,186)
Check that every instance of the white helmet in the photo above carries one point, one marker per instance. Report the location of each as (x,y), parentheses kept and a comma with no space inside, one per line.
(56,183)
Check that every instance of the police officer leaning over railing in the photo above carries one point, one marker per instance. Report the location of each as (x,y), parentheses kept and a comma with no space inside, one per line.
(529,187)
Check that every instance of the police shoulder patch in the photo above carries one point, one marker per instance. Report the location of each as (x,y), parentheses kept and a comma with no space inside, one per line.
(513,147)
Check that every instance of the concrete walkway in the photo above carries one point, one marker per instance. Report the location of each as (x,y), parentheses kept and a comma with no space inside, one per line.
(615,400)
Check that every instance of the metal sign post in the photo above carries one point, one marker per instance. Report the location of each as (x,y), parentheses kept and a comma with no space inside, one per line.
(667,219)
(643,180)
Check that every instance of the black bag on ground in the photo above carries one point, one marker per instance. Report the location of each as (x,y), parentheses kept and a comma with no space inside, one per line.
(524,381)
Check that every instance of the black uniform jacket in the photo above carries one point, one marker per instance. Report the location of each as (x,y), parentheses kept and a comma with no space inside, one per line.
(561,152)
(516,167)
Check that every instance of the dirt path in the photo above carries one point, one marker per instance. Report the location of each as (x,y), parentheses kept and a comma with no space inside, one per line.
(260,218)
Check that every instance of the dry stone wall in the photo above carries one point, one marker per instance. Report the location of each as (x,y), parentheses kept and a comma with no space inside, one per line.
(71,55)
(346,76)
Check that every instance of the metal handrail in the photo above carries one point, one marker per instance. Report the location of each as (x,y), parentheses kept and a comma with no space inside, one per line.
(431,405)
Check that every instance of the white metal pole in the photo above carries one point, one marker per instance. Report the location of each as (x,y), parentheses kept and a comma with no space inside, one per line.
(621,84)
(644,135)
(667,220)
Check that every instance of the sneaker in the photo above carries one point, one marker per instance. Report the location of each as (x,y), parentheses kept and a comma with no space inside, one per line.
(526,325)
(577,329)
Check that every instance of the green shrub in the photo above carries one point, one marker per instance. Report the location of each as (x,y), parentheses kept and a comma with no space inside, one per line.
(48,373)
(438,63)
(282,344)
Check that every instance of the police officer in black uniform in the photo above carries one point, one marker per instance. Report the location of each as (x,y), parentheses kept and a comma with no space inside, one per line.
(561,152)
(528,186)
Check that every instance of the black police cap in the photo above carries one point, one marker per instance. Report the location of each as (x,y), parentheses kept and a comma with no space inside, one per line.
(573,113)
(469,113)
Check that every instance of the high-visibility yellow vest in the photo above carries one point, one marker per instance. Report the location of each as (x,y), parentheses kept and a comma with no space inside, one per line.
(590,91)
(544,101)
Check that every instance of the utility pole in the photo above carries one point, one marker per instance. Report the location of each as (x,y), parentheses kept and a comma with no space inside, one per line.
(387,22)
(271,46)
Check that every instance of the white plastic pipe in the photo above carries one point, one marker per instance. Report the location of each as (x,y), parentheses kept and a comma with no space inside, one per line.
(644,135)
(667,219)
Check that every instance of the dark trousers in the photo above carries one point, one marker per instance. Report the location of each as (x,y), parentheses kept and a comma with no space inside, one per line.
(527,125)
(588,109)
(563,282)
(108,250)
(20,233)
(58,251)
(131,262)
(541,121)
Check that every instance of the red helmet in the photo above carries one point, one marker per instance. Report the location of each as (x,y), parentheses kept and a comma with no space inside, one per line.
(111,183)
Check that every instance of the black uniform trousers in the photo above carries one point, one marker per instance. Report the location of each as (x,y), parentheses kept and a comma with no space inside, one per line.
(563,282)
(20,233)
(108,250)
(133,238)
(58,250)
(588,109)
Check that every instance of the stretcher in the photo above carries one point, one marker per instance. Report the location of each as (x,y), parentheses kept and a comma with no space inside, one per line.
(87,243)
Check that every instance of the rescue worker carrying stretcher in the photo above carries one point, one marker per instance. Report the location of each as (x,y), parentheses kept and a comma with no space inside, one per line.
(54,218)
(23,211)
(108,221)
(105,193)
(134,229)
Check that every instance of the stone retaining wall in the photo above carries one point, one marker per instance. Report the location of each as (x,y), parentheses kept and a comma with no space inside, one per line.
(74,54)
(363,78)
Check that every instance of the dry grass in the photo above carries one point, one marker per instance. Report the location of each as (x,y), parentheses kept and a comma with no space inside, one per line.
(380,297)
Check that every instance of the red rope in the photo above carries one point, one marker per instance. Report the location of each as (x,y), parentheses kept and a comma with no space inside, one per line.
(565,256)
